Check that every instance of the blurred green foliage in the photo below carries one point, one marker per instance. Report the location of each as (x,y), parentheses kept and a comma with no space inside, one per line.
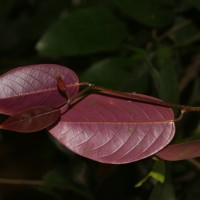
(150,47)
(85,31)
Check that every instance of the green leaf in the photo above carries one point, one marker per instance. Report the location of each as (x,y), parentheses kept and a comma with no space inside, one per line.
(54,179)
(118,73)
(152,12)
(195,3)
(141,182)
(82,32)
(164,191)
(5,8)
(157,173)
(157,176)
(142,54)
(164,76)
(194,96)
(54,182)
(169,90)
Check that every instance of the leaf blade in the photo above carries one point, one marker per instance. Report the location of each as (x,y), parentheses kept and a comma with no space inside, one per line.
(31,120)
(33,86)
(183,151)
(94,129)
(151,13)
(83,32)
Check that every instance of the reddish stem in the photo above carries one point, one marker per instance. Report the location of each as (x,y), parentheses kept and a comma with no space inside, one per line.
(136,97)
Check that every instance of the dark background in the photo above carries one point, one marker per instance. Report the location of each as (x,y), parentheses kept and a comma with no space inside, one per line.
(150,47)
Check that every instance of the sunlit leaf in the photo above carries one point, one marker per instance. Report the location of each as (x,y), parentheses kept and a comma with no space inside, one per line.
(157,173)
(113,130)
(33,86)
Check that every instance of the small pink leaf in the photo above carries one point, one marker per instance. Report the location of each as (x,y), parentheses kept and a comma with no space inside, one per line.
(113,130)
(182,151)
(33,86)
(31,120)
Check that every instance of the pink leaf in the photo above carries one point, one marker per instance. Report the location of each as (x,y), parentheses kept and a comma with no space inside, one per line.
(182,151)
(33,86)
(31,120)
(113,130)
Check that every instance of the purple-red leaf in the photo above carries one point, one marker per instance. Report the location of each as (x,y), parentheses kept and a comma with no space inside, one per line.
(62,88)
(182,151)
(33,86)
(113,130)
(31,120)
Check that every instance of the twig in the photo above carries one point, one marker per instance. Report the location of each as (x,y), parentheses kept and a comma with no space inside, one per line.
(144,99)
(129,96)
(195,163)
(166,34)
(21,182)
(174,29)
(190,175)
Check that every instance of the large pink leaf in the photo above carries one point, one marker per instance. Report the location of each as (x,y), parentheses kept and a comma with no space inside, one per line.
(33,86)
(113,130)
(182,151)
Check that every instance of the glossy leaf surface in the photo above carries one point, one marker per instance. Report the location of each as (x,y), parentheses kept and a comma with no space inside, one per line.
(31,120)
(33,86)
(152,13)
(182,151)
(113,130)
(85,31)
(117,72)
